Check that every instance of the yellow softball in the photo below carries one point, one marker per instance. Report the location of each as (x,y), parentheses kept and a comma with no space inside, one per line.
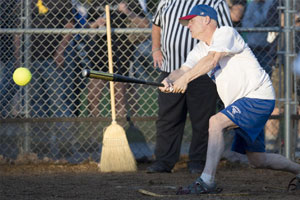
(22,76)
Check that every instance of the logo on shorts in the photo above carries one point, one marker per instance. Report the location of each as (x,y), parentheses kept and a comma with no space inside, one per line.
(235,110)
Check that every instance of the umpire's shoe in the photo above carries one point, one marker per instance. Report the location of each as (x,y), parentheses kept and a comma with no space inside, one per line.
(158,167)
(196,167)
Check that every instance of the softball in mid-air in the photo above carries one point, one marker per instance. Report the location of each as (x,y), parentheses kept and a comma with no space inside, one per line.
(22,76)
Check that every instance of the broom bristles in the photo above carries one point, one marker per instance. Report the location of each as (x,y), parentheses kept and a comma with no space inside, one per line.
(116,155)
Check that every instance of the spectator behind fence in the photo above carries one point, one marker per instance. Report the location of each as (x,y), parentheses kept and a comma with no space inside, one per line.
(90,51)
(80,50)
(50,89)
(9,15)
(297,49)
(237,9)
(170,46)
(142,58)
(123,14)
(297,24)
(261,13)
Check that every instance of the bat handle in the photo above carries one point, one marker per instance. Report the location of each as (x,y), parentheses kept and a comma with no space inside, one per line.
(158,84)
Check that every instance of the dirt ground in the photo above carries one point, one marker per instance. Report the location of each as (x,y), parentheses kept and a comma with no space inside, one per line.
(84,181)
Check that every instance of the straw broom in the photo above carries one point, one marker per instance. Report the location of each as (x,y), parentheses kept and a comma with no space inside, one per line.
(116,155)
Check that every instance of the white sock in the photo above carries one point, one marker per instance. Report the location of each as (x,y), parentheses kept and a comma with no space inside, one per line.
(208,179)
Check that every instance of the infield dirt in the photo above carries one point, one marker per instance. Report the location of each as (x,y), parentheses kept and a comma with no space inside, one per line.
(84,181)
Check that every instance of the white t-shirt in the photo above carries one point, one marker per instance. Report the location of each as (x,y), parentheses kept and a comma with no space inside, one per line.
(238,74)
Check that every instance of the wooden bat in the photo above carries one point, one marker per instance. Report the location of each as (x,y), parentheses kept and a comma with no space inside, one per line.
(117,77)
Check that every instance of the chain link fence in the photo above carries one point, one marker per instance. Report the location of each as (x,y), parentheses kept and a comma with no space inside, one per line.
(60,115)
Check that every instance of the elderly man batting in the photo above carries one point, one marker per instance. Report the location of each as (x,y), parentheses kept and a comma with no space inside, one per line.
(245,89)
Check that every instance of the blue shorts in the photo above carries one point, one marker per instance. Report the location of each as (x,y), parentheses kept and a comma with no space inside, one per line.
(251,116)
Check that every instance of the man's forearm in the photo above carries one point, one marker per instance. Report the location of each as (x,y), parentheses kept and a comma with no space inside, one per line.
(177,73)
(205,65)
(155,37)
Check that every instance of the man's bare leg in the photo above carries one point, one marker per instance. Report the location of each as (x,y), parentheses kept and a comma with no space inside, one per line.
(273,161)
(215,148)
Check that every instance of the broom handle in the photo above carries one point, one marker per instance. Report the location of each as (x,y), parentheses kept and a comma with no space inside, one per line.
(110,64)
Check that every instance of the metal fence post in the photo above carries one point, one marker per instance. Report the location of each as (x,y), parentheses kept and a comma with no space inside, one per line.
(287,64)
(27,65)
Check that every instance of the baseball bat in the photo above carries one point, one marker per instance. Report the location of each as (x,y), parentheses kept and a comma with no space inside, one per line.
(116,77)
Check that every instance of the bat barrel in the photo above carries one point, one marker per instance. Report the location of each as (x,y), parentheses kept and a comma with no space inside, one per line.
(85,73)
(97,74)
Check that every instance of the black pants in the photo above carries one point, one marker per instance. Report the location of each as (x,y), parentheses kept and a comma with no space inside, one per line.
(200,102)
